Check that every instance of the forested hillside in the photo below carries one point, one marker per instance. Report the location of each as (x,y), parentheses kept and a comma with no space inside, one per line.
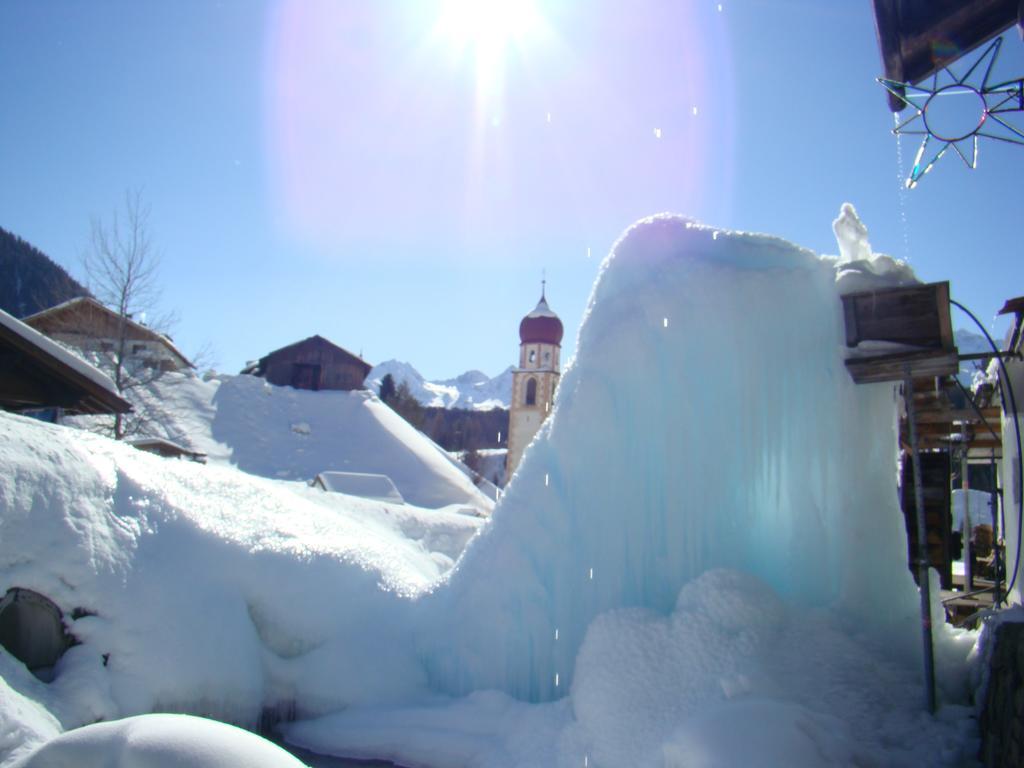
(29,280)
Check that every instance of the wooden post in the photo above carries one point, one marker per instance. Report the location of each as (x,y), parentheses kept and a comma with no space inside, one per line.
(968,526)
(997,595)
(922,549)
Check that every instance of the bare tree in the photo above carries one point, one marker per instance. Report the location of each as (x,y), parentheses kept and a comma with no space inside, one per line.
(121,266)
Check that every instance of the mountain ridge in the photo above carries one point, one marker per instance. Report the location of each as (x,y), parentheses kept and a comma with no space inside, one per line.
(471,390)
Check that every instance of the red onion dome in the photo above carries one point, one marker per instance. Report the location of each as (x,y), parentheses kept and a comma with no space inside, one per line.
(541,326)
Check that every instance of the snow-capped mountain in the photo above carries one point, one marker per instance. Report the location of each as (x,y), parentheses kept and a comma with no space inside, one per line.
(968,342)
(473,390)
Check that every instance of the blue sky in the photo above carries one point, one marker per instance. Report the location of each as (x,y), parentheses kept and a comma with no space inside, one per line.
(346,168)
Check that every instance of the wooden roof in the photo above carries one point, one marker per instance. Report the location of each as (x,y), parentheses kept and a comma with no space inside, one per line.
(316,340)
(68,317)
(919,37)
(36,372)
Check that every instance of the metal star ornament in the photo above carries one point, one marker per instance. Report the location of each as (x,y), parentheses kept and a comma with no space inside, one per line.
(955,112)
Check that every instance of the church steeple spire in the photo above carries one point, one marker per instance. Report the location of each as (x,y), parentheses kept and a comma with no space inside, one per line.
(535,379)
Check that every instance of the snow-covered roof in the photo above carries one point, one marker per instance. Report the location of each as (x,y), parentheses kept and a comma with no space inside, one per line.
(156,444)
(100,389)
(155,335)
(364,484)
(542,309)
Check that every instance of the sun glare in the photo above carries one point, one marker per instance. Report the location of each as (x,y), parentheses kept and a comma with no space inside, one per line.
(487,29)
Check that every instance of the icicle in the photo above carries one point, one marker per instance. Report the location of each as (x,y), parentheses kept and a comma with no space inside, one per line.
(591,574)
(664,323)
(588,251)
(499,437)
(547,479)
(556,679)
(556,633)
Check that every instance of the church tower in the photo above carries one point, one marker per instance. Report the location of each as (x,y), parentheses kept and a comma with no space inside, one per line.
(534,381)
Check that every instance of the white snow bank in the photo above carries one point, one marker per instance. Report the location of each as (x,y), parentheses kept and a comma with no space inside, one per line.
(24,723)
(160,741)
(207,590)
(733,676)
(292,434)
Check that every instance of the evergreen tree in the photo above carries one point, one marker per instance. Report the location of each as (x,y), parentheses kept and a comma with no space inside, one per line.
(387,388)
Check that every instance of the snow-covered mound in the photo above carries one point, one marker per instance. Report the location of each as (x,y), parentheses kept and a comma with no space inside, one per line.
(161,741)
(294,434)
(473,390)
(203,589)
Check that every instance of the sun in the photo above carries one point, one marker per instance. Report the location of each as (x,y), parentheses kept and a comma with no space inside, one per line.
(487,30)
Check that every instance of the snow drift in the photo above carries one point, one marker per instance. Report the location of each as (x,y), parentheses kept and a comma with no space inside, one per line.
(294,434)
(202,589)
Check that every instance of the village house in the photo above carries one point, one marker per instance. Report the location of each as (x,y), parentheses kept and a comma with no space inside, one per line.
(40,378)
(313,363)
(88,325)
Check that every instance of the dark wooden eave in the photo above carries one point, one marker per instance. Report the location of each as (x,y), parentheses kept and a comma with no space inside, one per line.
(1015,306)
(316,340)
(919,37)
(33,377)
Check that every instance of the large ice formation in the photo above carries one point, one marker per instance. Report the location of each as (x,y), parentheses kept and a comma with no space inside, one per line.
(708,421)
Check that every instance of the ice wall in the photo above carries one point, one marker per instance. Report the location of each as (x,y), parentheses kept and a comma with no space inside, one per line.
(707,421)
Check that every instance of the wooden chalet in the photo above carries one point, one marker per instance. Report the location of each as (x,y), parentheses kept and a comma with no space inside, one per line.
(88,325)
(313,363)
(38,375)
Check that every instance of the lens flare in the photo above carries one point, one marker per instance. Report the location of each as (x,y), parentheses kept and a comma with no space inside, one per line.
(487,32)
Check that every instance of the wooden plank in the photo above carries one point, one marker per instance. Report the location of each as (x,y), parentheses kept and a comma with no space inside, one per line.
(948,415)
(917,316)
(931,363)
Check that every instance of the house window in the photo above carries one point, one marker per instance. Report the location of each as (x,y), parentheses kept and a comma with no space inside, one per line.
(531,392)
(137,348)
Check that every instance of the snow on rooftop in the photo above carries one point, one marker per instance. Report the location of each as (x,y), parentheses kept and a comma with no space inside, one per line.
(362,484)
(542,309)
(292,434)
(55,350)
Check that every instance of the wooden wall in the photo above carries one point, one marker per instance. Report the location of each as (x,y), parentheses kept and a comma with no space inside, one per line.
(314,364)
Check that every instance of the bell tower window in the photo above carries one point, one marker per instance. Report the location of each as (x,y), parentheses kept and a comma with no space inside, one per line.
(533,355)
(531,392)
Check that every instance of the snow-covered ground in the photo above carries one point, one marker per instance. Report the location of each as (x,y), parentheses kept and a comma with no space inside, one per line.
(473,390)
(292,434)
(203,589)
(707,574)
